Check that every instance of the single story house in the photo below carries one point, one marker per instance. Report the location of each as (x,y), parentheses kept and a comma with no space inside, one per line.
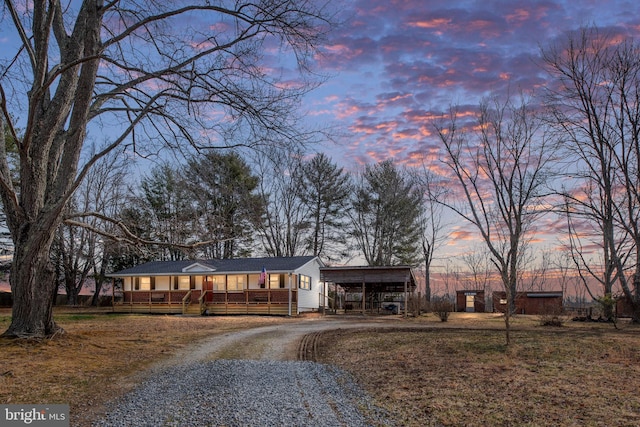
(530,302)
(270,285)
(471,301)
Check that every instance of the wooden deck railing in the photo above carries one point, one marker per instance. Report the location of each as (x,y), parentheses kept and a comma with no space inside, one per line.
(185,301)
(247,301)
(202,301)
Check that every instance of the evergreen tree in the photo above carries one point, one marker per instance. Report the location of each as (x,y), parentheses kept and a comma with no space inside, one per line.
(222,190)
(326,189)
(167,208)
(386,216)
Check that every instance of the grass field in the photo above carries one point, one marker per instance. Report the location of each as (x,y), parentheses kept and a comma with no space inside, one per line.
(455,373)
(99,357)
(581,374)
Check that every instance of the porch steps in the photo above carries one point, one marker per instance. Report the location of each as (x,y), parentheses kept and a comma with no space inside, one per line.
(192,310)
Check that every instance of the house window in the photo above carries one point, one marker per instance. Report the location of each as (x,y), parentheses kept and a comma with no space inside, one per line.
(136,283)
(145,283)
(305,282)
(503,301)
(235,283)
(219,283)
(183,282)
(276,281)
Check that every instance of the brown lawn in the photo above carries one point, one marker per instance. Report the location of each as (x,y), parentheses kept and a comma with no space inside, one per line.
(456,373)
(581,374)
(99,357)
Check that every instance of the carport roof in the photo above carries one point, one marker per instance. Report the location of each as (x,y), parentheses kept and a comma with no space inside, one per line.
(379,279)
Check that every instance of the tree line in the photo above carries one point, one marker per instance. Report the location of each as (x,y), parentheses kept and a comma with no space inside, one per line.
(228,205)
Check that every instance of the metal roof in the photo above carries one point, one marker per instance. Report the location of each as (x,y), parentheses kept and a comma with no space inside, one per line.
(379,278)
(216,266)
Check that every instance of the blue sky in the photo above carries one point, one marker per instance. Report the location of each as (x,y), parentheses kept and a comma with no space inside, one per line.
(393,65)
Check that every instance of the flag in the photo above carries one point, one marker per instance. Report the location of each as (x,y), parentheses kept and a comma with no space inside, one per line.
(263,277)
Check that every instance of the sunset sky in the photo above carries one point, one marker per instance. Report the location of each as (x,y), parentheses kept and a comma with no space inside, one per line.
(396,63)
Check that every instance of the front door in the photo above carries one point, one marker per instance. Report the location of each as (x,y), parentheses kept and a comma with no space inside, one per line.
(207,285)
(469,306)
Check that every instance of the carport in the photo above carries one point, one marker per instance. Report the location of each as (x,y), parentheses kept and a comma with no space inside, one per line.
(376,285)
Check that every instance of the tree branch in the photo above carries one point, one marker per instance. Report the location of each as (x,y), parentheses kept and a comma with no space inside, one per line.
(129,237)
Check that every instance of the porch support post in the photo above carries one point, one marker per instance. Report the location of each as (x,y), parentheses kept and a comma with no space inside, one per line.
(406,298)
(290,294)
(364,299)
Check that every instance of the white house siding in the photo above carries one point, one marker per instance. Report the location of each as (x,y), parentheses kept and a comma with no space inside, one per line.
(315,297)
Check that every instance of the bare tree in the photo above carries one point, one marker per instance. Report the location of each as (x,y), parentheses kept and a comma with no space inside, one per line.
(596,107)
(450,278)
(149,74)
(73,253)
(106,189)
(502,172)
(284,223)
(478,272)
(432,225)
(79,252)
(565,275)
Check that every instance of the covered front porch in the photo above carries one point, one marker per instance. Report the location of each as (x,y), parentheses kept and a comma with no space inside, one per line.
(208,294)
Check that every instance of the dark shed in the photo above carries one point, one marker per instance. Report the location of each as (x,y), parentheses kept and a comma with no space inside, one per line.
(530,302)
(471,301)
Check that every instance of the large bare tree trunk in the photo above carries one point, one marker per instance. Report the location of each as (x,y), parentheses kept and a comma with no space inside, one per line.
(33,286)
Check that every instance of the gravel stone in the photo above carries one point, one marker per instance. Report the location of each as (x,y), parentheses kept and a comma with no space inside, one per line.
(247,393)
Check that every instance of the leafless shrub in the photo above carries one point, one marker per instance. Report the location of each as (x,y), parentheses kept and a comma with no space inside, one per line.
(552,316)
(442,308)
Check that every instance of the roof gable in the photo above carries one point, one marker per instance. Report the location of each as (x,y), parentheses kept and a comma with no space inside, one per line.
(197,268)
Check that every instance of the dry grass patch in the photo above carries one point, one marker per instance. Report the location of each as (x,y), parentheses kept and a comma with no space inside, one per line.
(456,376)
(100,357)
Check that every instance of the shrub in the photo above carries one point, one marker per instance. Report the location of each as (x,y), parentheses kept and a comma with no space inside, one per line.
(552,316)
(442,308)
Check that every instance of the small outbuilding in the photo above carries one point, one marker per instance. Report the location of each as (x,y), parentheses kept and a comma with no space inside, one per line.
(470,301)
(624,307)
(530,302)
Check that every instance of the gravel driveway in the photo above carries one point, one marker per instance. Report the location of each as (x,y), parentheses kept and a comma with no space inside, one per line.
(250,378)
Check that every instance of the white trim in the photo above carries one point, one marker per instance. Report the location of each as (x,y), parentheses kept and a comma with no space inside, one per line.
(197,267)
